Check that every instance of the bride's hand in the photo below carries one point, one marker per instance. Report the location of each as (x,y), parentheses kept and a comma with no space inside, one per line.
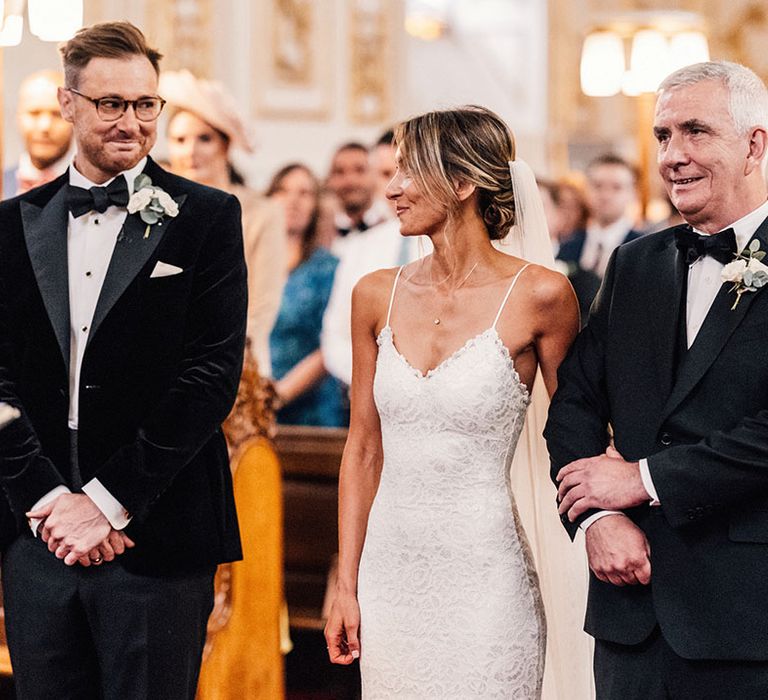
(341,630)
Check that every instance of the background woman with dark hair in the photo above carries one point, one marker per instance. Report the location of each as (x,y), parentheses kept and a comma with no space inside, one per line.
(306,393)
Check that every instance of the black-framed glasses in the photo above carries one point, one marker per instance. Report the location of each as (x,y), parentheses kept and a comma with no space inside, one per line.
(110,109)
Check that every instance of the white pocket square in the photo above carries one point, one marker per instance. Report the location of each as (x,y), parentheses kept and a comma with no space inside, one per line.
(165,270)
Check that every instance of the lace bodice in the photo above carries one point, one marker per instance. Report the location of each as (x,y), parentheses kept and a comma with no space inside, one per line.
(449,597)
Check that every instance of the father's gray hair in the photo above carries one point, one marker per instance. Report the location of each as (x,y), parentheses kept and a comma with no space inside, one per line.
(748,103)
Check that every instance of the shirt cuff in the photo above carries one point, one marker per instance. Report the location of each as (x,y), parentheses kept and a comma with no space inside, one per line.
(112,509)
(54,493)
(645,476)
(584,524)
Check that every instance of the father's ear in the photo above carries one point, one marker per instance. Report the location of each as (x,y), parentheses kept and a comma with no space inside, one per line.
(66,104)
(758,144)
(464,190)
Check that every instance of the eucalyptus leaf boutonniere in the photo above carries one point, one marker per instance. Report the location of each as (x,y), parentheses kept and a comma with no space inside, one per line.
(747,272)
(152,203)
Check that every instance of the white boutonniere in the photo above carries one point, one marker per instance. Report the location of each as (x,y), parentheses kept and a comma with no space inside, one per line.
(746,272)
(8,414)
(152,203)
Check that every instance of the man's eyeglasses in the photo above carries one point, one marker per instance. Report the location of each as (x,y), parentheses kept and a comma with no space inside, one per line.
(110,109)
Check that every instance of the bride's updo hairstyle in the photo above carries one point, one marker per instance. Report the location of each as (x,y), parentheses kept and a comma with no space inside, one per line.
(469,144)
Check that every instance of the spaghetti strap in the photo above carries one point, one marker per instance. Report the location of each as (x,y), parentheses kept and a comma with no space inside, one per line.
(392,297)
(506,296)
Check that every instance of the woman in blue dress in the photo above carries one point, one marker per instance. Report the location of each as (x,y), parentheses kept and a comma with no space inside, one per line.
(306,393)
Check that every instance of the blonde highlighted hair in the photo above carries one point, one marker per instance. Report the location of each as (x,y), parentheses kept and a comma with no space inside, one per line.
(467,144)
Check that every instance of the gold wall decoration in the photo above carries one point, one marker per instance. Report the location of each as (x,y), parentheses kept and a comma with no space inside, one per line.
(182,29)
(292,58)
(371,36)
(747,36)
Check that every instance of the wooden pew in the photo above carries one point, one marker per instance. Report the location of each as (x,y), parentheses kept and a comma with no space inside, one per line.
(310,458)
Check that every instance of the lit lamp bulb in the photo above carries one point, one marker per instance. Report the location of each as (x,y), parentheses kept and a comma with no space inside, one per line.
(687,48)
(649,61)
(602,64)
(55,20)
(10,34)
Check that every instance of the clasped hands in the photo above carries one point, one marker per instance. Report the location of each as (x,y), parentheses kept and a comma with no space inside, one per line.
(617,550)
(76,531)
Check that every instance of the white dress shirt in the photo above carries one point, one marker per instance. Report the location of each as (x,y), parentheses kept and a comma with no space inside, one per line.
(600,242)
(379,247)
(703,285)
(378,213)
(91,238)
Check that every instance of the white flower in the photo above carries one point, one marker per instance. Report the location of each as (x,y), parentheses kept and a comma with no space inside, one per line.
(755,266)
(167,202)
(140,199)
(734,270)
(7,414)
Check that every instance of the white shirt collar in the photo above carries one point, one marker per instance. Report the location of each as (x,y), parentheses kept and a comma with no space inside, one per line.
(612,235)
(746,226)
(78,179)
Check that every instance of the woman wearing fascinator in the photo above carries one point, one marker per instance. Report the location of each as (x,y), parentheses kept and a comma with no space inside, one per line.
(204,127)
(446,510)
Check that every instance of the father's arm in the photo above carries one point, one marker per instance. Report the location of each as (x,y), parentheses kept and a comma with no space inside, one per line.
(577,426)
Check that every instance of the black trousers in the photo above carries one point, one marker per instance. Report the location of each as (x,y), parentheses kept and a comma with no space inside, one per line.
(101,632)
(653,671)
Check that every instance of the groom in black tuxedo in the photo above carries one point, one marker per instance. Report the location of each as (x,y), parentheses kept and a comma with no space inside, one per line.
(673,361)
(122,321)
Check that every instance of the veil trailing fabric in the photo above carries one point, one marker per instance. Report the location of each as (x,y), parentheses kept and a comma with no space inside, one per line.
(561,564)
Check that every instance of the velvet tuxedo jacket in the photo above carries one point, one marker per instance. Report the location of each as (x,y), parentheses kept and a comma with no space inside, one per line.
(159,374)
(701,418)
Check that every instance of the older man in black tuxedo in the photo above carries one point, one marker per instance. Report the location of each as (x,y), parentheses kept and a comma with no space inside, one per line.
(122,320)
(673,360)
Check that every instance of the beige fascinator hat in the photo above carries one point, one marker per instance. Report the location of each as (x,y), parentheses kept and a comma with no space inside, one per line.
(211,102)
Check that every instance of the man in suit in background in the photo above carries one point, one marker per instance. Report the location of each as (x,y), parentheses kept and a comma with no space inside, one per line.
(354,183)
(121,342)
(673,360)
(46,134)
(611,190)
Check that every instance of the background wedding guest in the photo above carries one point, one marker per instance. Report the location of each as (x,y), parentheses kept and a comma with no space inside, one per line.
(572,207)
(382,156)
(378,247)
(306,394)
(46,134)
(611,192)
(352,180)
(204,126)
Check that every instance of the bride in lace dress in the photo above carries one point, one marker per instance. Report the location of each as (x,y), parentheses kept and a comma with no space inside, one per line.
(437,591)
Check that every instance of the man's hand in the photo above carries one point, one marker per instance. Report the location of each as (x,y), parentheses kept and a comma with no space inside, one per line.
(115,544)
(618,551)
(606,482)
(73,526)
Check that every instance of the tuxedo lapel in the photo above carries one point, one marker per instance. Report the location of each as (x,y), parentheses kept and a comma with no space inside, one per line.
(663,304)
(45,233)
(132,250)
(719,324)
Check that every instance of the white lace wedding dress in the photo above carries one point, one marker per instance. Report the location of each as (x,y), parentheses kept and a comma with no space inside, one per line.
(449,597)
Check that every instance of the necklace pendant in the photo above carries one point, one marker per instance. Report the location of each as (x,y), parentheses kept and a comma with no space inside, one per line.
(436,321)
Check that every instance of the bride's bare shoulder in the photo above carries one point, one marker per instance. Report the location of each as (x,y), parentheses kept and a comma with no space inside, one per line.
(547,288)
(372,286)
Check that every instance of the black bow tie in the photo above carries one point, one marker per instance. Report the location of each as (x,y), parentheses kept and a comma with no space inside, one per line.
(345,231)
(720,246)
(80,201)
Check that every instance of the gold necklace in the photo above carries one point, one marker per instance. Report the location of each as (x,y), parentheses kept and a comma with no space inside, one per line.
(436,320)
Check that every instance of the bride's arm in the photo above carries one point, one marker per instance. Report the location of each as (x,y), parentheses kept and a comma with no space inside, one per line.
(557,314)
(360,468)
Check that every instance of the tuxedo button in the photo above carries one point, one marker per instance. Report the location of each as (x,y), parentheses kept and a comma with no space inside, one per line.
(666,439)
